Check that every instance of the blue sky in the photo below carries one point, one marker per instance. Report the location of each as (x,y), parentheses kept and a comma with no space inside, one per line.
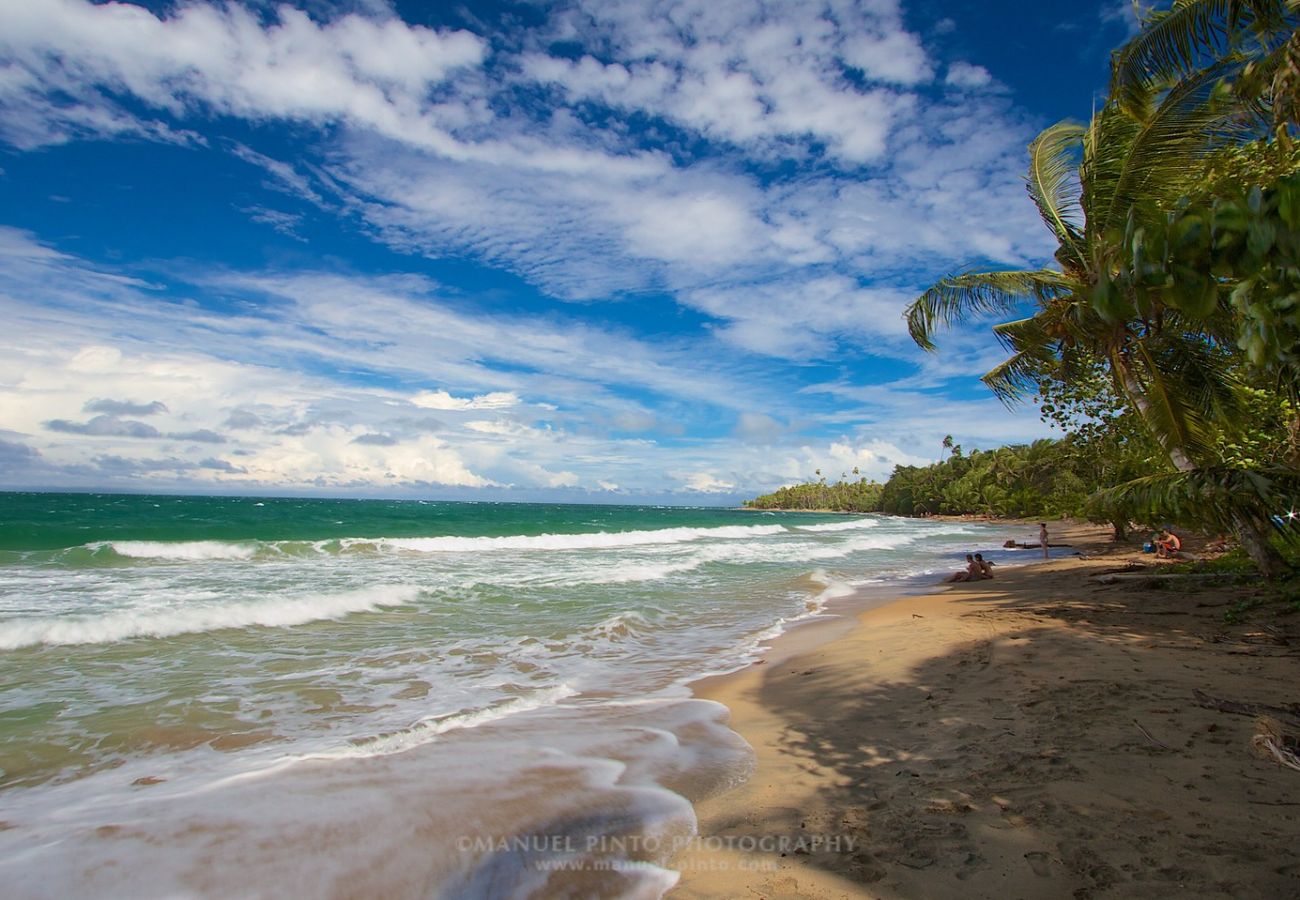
(592,251)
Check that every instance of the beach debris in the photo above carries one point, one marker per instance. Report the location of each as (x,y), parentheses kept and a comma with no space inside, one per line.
(1273,743)
(1169,577)
(1291,715)
(1148,736)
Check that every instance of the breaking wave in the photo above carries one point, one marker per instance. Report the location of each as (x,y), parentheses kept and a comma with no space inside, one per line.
(191,551)
(127,624)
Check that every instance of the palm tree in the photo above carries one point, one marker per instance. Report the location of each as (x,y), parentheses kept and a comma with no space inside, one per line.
(1257,38)
(1098,189)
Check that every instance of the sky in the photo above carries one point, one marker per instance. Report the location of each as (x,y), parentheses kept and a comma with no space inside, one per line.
(588,251)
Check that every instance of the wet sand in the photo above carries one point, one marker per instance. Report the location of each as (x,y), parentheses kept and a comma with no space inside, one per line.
(1036,735)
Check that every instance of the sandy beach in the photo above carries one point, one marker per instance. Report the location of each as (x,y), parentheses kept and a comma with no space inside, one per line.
(1036,735)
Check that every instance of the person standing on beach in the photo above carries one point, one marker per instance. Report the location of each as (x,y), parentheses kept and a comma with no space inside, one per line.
(1042,537)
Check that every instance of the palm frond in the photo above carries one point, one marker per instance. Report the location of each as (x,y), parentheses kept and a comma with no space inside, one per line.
(958,297)
(1169,47)
(1211,499)
(1206,381)
(1172,420)
(1053,183)
(1155,161)
(1033,357)
(1017,377)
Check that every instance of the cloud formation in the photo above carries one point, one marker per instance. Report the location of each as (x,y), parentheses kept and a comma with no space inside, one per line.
(105,426)
(774,181)
(124,407)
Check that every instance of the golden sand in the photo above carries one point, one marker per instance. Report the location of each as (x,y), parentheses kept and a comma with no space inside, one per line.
(1036,735)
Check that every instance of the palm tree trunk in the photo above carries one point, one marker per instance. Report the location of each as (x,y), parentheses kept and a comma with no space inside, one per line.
(1255,540)
(1254,536)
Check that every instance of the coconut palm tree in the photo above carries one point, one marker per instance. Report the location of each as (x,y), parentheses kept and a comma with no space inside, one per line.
(1164,342)
(1258,38)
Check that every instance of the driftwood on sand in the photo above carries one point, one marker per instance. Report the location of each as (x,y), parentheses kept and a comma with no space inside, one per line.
(1291,714)
(1174,577)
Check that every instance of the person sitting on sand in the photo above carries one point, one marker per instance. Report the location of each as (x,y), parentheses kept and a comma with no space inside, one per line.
(986,567)
(973,571)
(1219,545)
(1168,545)
(963,575)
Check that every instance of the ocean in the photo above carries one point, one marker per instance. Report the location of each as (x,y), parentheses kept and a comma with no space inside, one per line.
(236,696)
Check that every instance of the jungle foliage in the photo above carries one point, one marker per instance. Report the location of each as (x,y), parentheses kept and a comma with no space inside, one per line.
(1164,338)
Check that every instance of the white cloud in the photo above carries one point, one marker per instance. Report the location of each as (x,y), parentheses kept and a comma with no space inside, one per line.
(1126,13)
(968,75)
(673,169)
(96,343)
(375,74)
(705,483)
(748,73)
(589,212)
(444,400)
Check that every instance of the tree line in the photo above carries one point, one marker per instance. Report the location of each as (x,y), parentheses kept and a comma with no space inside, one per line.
(860,495)
(1045,478)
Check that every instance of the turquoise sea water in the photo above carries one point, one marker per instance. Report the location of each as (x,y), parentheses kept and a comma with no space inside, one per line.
(253,696)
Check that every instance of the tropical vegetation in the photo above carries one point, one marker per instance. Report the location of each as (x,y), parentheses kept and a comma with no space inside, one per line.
(1174,301)
(842,496)
(1047,478)
(1165,337)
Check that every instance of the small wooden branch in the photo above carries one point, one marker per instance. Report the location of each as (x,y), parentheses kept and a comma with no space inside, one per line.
(1149,737)
(1290,714)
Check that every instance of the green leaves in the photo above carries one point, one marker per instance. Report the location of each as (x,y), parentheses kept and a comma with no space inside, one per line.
(1179,249)
(960,297)
(1254,39)
(1053,185)
(1211,499)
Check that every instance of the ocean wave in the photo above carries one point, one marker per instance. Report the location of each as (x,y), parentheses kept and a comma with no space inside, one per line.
(621,625)
(883,543)
(586,541)
(430,730)
(181,550)
(852,525)
(127,624)
(632,573)
(194,551)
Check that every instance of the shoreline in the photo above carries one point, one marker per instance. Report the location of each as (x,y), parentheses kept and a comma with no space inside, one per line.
(1032,736)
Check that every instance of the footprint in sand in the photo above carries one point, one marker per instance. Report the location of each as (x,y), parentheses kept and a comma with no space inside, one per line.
(1040,862)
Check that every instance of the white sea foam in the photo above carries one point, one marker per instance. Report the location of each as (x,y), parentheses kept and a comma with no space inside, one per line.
(880,543)
(852,525)
(620,625)
(589,541)
(196,551)
(831,589)
(430,730)
(125,624)
(634,573)
(181,550)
